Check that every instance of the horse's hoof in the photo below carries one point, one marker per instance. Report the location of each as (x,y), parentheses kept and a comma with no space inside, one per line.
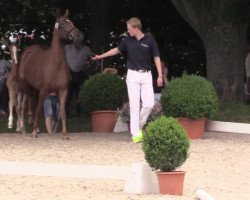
(38,130)
(34,136)
(10,126)
(18,129)
(65,137)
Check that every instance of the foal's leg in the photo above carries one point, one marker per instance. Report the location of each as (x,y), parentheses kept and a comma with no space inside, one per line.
(41,98)
(63,96)
(11,106)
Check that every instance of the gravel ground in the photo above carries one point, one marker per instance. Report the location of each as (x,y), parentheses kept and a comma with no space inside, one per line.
(219,164)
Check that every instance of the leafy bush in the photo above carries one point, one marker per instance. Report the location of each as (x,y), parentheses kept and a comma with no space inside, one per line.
(165,144)
(190,96)
(103,92)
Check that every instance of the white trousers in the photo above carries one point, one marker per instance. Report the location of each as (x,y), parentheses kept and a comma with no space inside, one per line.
(140,88)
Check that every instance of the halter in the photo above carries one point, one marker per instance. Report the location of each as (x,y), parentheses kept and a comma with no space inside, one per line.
(69,34)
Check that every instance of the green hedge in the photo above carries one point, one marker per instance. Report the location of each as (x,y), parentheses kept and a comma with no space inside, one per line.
(165,144)
(190,96)
(103,92)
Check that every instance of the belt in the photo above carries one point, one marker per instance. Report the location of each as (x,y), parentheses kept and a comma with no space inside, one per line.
(141,70)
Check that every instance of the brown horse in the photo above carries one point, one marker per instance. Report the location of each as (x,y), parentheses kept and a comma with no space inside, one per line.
(43,70)
(12,85)
(14,94)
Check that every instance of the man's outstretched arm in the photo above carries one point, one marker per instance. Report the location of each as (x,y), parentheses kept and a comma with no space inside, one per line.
(109,53)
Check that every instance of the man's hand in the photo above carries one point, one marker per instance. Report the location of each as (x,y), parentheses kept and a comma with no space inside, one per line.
(160,81)
(96,57)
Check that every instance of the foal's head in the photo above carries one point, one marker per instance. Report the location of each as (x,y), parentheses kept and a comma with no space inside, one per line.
(66,28)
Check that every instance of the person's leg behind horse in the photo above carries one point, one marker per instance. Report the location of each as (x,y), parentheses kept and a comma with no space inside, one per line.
(77,90)
(72,89)
(48,113)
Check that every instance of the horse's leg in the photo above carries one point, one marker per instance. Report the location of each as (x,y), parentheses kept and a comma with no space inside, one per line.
(18,111)
(22,121)
(30,111)
(42,95)
(63,96)
(11,106)
(21,98)
(33,100)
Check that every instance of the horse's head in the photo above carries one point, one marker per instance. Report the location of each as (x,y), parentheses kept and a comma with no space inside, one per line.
(66,28)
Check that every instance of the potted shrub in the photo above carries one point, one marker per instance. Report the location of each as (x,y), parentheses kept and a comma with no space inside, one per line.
(165,146)
(101,95)
(191,99)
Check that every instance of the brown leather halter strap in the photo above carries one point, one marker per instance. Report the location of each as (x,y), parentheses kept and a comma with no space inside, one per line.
(71,30)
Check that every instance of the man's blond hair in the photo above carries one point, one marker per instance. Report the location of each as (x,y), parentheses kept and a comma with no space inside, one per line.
(135,22)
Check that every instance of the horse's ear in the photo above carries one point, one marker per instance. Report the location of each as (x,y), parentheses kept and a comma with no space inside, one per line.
(56,13)
(66,13)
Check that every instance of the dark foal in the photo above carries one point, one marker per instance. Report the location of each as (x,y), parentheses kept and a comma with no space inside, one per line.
(43,70)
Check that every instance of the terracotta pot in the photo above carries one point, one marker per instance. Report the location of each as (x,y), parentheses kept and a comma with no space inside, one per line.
(104,121)
(194,128)
(171,182)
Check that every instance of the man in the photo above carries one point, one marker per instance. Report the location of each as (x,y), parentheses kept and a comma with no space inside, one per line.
(140,48)
(77,56)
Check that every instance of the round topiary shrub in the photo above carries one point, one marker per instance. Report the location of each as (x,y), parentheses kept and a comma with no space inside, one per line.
(191,97)
(165,144)
(103,92)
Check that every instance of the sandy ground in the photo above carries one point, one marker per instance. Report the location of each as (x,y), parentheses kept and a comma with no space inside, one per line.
(220,164)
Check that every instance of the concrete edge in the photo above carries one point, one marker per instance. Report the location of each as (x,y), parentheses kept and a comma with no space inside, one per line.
(64,170)
(230,127)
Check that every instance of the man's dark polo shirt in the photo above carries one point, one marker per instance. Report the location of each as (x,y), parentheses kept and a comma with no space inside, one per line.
(139,53)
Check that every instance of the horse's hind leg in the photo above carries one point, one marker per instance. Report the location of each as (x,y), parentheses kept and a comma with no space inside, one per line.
(21,100)
(18,110)
(32,101)
(42,95)
(63,96)
(22,120)
(30,113)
